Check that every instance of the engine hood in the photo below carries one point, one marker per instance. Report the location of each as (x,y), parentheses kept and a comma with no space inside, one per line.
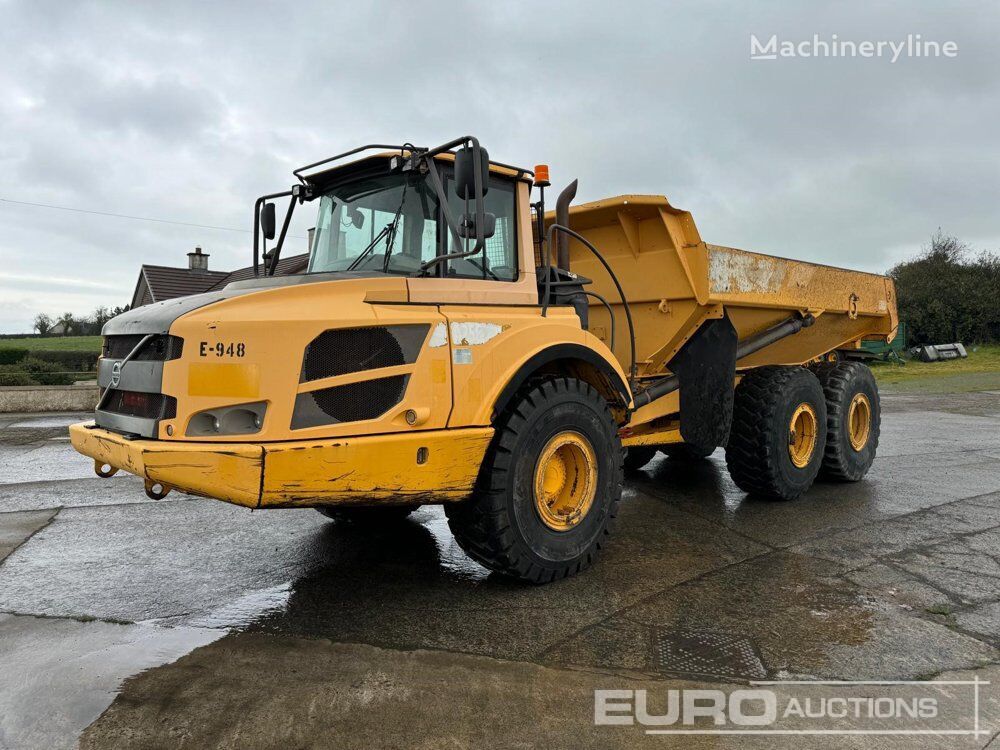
(158,317)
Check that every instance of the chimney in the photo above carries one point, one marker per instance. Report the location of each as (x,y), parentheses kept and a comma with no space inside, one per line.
(198,261)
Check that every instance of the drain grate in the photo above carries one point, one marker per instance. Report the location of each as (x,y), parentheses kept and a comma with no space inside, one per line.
(707,654)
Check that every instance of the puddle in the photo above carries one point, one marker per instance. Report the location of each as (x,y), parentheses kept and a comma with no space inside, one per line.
(48,421)
(247,609)
(60,675)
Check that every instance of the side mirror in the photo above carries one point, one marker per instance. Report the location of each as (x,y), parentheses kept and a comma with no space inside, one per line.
(465,172)
(268,223)
(467,225)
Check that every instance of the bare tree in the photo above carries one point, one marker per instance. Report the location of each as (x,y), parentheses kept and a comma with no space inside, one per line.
(42,323)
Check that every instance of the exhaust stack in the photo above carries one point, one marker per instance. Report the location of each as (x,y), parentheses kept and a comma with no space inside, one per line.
(562,217)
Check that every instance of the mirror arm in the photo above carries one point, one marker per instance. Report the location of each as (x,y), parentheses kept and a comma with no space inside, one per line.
(448,217)
(273,265)
(256,226)
(443,197)
(477,176)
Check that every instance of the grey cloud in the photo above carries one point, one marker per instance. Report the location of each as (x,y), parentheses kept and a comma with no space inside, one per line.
(190,110)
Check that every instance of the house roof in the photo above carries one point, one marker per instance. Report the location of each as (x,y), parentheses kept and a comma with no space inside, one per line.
(159,283)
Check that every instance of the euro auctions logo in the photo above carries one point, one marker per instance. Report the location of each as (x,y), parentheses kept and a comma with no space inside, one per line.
(799,707)
(893,50)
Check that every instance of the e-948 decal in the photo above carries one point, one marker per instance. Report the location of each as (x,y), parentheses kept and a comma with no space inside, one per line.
(222,349)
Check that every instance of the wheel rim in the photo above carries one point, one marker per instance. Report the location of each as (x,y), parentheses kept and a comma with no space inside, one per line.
(859,421)
(565,480)
(802,435)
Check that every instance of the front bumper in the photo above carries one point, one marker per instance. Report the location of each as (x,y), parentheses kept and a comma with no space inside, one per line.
(369,470)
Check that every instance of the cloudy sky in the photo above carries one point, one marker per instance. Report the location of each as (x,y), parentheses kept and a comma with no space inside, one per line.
(187,111)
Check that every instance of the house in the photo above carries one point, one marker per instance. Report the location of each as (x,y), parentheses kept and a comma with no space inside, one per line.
(158,283)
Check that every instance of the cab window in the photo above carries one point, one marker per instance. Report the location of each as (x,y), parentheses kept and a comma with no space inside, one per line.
(501,248)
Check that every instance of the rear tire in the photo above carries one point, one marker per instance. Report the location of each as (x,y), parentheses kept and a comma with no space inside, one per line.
(540,513)
(369,516)
(778,433)
(853,420)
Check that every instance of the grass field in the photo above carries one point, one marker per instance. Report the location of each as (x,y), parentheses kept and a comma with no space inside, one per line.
(54,343)
(981,371)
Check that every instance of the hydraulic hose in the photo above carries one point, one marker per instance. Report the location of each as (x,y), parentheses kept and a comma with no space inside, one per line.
(744,348)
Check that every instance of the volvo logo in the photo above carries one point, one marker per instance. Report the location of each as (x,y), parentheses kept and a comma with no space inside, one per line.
(116,374)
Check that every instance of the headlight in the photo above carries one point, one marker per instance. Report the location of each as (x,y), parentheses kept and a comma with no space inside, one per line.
(241,419)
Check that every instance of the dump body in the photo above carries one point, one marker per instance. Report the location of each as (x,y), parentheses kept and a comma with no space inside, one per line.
(674,281)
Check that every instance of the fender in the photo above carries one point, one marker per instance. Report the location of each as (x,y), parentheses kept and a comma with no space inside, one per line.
(557,353)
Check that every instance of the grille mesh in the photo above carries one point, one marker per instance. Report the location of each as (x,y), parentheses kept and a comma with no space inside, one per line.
(367,399)
(345,350)
(158,349)
(144,405)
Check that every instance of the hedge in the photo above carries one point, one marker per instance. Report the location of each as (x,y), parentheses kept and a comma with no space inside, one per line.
(32,371)
(75,361)
(10,356)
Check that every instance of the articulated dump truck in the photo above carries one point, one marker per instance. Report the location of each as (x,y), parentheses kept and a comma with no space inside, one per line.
(454,343)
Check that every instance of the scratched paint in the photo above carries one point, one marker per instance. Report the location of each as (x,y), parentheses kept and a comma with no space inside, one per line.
(439,336)
(734,271)
(474,334)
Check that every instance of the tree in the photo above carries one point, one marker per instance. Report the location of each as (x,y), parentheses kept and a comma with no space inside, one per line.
(101,316)
(69,323)
(42,323)
(949,293)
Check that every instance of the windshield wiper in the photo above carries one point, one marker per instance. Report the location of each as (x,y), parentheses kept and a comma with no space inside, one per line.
(371,246)
(390,230)
(394,226)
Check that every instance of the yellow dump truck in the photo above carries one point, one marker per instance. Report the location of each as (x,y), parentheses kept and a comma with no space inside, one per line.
(453,342)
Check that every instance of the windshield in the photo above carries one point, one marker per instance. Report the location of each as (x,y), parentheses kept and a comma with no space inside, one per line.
(360,220)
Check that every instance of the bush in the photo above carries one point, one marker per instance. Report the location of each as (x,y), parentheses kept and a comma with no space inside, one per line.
(14,375)
(32,371)
(10,356)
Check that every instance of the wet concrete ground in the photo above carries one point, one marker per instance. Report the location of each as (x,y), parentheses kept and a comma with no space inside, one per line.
(190,623)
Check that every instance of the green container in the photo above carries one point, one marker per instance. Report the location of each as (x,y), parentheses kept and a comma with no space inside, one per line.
(882,349)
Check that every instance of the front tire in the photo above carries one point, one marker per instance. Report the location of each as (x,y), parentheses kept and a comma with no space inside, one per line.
(549,487)
(778,434)
(853,420)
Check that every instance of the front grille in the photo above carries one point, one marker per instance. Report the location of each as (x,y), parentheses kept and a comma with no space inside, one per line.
(345,350)
(157,349)
(144,405)
(368,399)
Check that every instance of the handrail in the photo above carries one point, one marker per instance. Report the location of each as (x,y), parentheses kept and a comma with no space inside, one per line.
(621,293)
(406,147)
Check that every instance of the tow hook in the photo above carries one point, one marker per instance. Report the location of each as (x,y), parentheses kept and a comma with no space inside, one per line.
(104,470)
(157,490)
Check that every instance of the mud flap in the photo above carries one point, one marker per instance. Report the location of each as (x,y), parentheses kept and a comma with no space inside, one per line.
(706,368)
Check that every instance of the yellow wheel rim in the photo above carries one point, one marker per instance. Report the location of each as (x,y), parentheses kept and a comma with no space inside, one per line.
(859,421)
(565,480)
(802,431)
